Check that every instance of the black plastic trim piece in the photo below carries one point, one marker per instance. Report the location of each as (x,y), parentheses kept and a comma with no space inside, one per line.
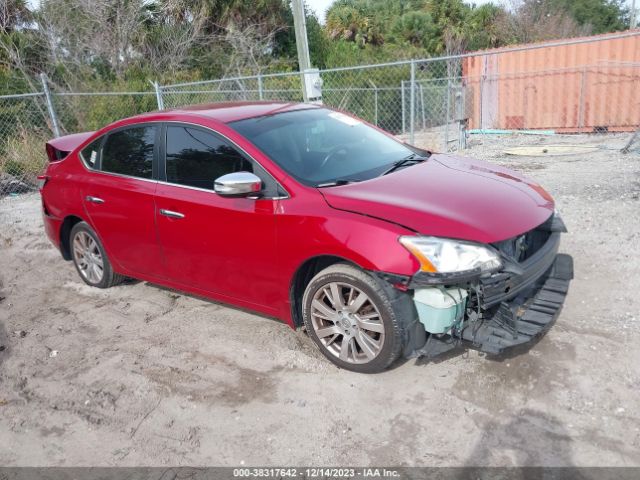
(504,285)
(393,278)
(523,320)
(426,279)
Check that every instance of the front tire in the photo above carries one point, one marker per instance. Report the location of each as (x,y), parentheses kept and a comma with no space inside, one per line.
(90,258)
(350,316)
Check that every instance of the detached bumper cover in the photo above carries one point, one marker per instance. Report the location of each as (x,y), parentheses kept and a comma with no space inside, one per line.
(519,277)
(527,316)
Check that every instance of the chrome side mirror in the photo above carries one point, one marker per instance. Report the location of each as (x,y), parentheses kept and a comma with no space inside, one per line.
(237,184)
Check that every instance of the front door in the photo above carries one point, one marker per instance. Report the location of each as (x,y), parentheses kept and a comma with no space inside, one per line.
(213,243)
(119,197)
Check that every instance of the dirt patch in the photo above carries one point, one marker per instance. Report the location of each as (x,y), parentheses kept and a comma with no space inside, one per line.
(509,382)
(236,387)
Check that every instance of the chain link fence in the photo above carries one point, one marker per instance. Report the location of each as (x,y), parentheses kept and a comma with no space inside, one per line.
(437,103)
(81,112)
(409,99)
(266,87)
(28,121)
(402,98)
(576,86)
(25,125)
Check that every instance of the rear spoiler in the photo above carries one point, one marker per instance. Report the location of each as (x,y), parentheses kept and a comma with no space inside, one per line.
(59,148)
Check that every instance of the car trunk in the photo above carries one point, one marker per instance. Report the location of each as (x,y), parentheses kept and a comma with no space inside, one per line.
(59,148)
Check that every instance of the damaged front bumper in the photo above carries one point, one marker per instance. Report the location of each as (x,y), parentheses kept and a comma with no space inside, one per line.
(505,309)
(525,317)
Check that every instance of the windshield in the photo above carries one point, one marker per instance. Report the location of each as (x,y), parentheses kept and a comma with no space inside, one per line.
(319,146)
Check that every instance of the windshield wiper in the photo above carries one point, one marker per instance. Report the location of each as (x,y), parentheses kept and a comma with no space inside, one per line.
(337,182)
(413,158)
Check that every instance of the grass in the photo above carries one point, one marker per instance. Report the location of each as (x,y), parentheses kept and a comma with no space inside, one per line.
(23,155)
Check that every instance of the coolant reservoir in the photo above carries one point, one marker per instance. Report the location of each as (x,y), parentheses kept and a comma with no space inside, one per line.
(439,309)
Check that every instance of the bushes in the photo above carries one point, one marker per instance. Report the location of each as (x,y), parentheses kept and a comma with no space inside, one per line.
(23,154)
(78,113)
(24,130)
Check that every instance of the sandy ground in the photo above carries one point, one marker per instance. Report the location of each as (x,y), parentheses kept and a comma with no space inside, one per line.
(140,375)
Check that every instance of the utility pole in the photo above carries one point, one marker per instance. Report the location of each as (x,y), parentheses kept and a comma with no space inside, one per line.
(633,14)
(311,81)
(300,25)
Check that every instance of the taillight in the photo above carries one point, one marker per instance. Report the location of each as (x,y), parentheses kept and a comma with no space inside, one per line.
(42,180)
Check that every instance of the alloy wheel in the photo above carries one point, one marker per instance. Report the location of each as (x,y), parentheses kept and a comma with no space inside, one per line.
(347,322)
(87,256)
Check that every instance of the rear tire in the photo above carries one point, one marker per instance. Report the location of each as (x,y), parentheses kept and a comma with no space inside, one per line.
(90,258)
(350,316)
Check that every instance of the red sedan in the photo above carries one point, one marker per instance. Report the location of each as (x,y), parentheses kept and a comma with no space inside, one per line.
(297,211)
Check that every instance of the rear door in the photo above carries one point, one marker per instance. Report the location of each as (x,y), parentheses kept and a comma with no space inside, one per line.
(119,196)
(214,243)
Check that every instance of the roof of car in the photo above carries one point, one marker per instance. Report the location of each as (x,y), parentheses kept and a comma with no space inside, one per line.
(232,111)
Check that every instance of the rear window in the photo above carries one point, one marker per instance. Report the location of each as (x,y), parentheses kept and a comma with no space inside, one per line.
(130,152)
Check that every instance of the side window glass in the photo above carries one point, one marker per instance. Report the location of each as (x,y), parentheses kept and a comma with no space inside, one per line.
(91,152)
(196,158)
(130,152)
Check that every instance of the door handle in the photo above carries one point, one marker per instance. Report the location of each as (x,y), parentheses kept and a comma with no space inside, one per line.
(91,199)
(169,213)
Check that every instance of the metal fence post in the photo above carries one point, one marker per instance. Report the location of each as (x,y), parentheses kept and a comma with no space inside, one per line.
(260,91)
(448,120)
(375,102)
(404,122)
(375,99)
(52,112)
(461,116)
(424,118)
(159,98)
(412,103)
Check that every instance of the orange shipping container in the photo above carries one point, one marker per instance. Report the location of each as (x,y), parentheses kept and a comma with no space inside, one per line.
(581,87)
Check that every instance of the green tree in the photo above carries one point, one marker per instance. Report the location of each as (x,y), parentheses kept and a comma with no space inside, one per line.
(601,16)
(416,28)
(353,21)
(434,27)
(449,17)
(485,27)
(319,43)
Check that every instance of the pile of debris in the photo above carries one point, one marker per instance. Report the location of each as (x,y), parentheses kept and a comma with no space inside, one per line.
(11,185)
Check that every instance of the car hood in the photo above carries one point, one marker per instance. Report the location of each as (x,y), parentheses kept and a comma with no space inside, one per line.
(450,196)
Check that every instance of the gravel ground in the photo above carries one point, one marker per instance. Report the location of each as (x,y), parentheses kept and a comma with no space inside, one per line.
(141,375)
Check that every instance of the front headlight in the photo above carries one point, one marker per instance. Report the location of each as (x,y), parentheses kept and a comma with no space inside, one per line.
(441,255)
